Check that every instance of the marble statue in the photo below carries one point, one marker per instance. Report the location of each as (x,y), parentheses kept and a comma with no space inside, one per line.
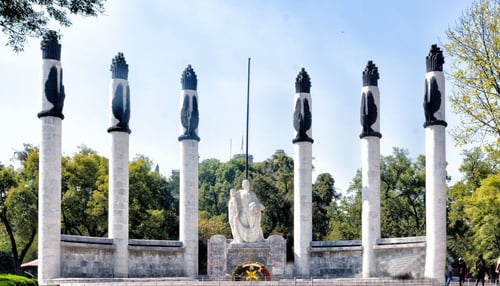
(245,212)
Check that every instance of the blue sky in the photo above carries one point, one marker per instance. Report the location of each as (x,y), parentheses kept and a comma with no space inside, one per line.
(332,40)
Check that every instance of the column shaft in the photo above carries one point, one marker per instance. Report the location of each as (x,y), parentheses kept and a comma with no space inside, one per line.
(370,215)
(302,205)
(435,165)
(49,200)
(119,200)
(188,205)
(435,201)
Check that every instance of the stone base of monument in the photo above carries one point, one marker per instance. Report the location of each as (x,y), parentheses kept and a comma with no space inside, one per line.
(226,259)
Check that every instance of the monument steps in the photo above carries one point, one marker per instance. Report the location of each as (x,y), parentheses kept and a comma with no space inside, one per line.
(283,282)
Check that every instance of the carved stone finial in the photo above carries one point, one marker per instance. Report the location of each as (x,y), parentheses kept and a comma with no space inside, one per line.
(303,82)
(435,59)
(51,49)
(119,67)
(188,79)
(370,74)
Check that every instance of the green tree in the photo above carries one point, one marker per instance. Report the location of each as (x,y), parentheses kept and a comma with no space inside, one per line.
(345,215)
(402,202)
(474,51)
(18,204)
(458,231)
(272,182)
(151,203)
(209,190)
(20,19)
(402,194)
(323,195)
(215,181)
(169,201)
(471,199)
(483,210)
(8,182)
(84,203)
(477,165)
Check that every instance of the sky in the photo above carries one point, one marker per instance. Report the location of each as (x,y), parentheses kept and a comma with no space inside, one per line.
(332,40)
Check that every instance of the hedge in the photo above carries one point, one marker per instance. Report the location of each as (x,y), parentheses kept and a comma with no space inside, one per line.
(15,280)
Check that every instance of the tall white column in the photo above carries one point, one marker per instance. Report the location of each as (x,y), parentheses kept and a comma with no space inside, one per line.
(302,176)
(49,192)
(118,164)
(435,165)
(188,177)
(370,167)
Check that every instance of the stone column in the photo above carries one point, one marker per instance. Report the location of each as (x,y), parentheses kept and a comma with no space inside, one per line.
(188,179)
(302,176)
(119,95)
(370,167)
(435,165)
(49,192)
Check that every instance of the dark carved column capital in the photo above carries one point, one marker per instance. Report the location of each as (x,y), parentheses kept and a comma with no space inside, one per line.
(435,59)
(119,67)
(303,82)
(51,49)
(370,74)
(188,79)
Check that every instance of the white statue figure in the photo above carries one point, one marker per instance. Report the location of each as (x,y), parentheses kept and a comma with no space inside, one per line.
(245,215)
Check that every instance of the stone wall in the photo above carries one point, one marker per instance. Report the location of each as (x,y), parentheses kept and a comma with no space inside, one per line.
(395,257)
(401,257)
(86,257)
(92,257)
(335,259)
(155,258)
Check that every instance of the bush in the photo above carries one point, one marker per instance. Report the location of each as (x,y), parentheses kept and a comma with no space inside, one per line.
(15,280)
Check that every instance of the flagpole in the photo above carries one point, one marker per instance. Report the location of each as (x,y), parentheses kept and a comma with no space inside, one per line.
(248,104)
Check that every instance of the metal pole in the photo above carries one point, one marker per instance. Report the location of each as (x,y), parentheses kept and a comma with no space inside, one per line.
(248,108)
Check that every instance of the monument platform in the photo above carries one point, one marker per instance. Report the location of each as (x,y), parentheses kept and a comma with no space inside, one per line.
(284,282)
(225,258)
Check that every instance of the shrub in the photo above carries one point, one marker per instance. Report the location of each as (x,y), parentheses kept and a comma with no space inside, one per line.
(15,280)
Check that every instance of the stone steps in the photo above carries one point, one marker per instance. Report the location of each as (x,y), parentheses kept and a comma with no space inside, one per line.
(285,282)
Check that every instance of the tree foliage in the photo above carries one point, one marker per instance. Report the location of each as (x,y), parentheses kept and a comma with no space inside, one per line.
(272,182)
(19,204)
(473,203)
(20,19)
(483,210)
(345,214)
(402,194)
(152,206)
(84,201)
(402,203)
(473,208)
(324,196)
(474,50)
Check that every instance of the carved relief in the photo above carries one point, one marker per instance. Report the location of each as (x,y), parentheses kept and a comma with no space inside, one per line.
(120,103)
(190,117)
(368,115)
(120,107)
(302,117)
(54,93)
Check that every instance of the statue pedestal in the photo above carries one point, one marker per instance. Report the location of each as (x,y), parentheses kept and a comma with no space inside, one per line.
(224,257)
